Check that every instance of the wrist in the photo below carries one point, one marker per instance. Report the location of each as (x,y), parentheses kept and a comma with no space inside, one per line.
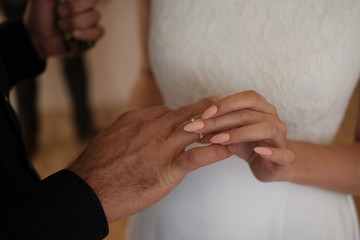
(96,184)
(63,199)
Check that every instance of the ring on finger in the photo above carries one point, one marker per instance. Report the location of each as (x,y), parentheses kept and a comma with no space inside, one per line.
(192,120)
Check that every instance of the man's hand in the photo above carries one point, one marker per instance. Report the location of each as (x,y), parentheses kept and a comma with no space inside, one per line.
(47,22)
(141,157)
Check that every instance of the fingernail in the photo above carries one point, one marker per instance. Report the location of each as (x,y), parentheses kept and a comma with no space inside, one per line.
(194,126)
(211,111)
(220,138)
(263,151)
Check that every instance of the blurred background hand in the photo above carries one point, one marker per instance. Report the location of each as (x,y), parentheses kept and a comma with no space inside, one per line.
(47,23)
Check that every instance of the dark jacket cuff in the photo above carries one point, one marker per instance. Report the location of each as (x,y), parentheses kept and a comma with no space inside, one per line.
(68,208)
(18,53)
(61,207)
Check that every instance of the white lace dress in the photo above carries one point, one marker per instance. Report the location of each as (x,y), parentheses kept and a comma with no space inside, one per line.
(303,56)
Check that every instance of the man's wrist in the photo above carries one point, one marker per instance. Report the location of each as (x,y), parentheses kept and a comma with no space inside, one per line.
(94,185)
(68,206)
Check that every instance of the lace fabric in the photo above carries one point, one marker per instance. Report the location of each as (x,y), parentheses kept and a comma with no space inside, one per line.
(304,58)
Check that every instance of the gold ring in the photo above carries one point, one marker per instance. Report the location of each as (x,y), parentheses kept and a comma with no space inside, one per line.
(200,134)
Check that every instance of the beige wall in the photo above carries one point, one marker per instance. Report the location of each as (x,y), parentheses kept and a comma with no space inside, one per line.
(113,63)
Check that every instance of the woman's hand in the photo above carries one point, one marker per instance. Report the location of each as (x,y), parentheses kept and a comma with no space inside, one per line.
(249,121)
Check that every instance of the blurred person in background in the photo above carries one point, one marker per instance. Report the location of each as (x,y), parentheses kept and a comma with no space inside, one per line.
(75,74)
(288,69)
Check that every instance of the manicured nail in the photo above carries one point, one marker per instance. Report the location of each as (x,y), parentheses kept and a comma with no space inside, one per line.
(194,126)
(263,151)
(211,111)
(220,138)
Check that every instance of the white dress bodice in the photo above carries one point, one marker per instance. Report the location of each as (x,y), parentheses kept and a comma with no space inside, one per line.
(304,58)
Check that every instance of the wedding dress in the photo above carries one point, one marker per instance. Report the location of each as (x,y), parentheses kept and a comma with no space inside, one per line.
(304,58)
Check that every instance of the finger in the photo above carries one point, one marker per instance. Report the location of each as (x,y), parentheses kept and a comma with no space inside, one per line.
(206,138)
(184,113)
(271,132)
(239,101)
(91,34)
(282,157)
(75,7)
(196,137)
(202,156)
(79,22)
(231,120)
(179,139)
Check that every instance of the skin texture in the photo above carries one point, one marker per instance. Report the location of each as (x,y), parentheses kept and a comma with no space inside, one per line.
(252,122)
(47,22)
(141,157)
(332,167)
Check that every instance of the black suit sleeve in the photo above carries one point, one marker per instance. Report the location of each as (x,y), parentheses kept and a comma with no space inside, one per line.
(61,206)
(19,57)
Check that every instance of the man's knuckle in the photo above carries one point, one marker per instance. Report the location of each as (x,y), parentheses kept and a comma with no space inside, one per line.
(157,128)
(130,115)
(163,108)
(143,127)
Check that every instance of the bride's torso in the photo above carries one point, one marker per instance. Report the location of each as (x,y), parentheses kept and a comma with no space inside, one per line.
(303,57)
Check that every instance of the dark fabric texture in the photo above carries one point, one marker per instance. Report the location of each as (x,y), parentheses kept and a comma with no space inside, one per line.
(61,206)
(19,57)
